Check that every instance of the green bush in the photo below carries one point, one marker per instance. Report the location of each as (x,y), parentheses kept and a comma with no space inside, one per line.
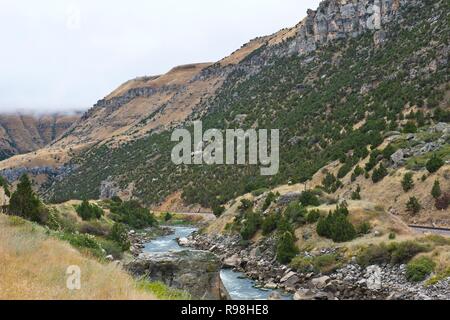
(119,234)
(308,198)
(218,210)
(271,197)
(302,264)
(88,211)
(407,182)
(83,241)
(286,248)
(388,152)
(245,205)
(419,269)
(26,204)
(434,164)
(313,216)
(336,226)
(393,253)
(379,174)
(326,263)
(363,228)
(112,248)
(410,127)
(270,223)
(295,212)
(259,192)
(413,205)
(436,192)
(331,184)
(356,195)
(133,214)
(250,225)
(168,216)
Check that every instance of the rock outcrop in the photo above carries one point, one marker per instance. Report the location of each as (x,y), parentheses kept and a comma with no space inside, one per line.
(336,19)
(197,272)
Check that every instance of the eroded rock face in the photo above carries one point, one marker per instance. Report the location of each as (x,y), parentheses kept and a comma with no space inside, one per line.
(197,272)
(340,19)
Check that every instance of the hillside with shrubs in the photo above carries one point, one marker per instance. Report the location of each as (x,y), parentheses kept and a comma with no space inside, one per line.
(354,100)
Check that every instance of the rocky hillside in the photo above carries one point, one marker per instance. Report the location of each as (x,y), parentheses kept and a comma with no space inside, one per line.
(21,133)
(336,85)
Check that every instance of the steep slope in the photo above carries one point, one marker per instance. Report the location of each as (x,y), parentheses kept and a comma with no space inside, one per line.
(21,133)
(24,276)
(334,85)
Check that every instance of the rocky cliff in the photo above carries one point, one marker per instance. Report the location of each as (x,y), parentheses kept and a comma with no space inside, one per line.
(341,19)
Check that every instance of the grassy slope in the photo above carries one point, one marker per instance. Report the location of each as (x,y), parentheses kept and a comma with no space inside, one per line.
(33,266)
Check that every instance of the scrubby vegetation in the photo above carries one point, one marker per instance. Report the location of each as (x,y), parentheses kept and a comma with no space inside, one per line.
(336,226)
(413,206)
(393,253)
(286,248)
(321,115)
(162,292)
(418,269)
(132,214)
(434,164)
(5,185)
(407,182)
(89,211)
(25,203)
(33,266)
(324,264)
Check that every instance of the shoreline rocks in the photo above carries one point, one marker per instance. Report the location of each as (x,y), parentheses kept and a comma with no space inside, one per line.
(351,282)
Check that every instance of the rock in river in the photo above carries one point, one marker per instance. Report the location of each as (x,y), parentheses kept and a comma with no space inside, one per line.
(197,272)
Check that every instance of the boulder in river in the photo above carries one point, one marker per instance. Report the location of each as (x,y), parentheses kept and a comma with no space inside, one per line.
(197,272)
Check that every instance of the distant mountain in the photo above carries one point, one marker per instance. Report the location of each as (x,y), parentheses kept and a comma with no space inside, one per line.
(22,133)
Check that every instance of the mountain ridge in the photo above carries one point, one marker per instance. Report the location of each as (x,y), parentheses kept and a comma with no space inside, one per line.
(333,84)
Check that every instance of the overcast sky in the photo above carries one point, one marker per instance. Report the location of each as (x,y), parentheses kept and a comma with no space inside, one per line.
(67,54)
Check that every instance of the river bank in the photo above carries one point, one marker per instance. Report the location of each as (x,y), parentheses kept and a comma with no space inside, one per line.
(158,258)
(350,281)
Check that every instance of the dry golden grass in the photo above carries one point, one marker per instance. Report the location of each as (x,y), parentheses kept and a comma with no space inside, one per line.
(33,267)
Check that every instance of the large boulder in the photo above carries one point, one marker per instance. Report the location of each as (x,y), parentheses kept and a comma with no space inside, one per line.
(373,275)
(197,272)
(232,262)
(321,282)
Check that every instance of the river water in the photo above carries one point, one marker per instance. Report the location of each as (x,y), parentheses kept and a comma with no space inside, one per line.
(238,286)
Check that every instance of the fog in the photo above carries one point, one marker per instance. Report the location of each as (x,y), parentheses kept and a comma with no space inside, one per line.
(61,55)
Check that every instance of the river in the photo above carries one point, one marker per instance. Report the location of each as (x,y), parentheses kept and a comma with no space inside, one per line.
(238,286)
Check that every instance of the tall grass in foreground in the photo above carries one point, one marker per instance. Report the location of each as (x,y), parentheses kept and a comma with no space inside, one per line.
(33,267)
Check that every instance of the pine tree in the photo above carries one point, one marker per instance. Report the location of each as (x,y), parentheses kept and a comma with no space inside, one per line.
(286,249)
(413,206)
(434,164)
(25,203)
(436,192)
(408,182)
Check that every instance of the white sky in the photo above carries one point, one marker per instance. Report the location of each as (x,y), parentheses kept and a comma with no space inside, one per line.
(60,55)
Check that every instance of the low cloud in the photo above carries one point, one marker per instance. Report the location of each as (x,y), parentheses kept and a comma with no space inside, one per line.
(65,55)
